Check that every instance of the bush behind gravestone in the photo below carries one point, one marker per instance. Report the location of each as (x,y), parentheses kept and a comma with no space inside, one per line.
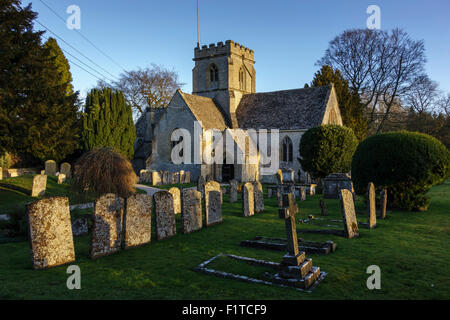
(408,164)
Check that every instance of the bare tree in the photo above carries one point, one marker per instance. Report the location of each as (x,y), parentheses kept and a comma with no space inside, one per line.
(423,95)
(443,104)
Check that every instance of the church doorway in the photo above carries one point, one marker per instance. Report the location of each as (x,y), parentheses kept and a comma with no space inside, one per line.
(227,172)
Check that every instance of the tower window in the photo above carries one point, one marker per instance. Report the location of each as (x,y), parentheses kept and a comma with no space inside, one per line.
(287,150)
(241,79)
(213,74)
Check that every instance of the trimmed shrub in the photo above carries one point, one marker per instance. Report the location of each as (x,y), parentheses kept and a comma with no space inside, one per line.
(327,149)
(104,170)
(5,160)
(408,164)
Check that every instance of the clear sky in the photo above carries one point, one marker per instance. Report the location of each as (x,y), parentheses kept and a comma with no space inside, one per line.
(288,36)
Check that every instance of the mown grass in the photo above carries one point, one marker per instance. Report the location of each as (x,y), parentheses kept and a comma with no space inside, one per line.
(411,248)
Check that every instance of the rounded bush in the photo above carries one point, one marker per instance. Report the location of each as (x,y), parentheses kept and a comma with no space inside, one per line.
(327,149)
(104,170)
(408,164)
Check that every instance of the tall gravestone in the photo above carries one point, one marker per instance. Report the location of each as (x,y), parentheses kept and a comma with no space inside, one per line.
(107,225)
(187,177)
(191,214)
(233,191)
(176,194)
(50,168)
(213,203)
(371,206)
(156,178)
(182,177)
(164,215)
(279,176)
(50,232)
(39,185)
(65,169)
(166,178)
(248,201)
(176,178)
(1,173)
(349,214)
(383,203)
(138,221)
(302,193)
(201,184)
(258,196)
(61,178)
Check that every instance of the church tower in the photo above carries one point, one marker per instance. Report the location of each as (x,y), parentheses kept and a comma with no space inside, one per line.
(224,72)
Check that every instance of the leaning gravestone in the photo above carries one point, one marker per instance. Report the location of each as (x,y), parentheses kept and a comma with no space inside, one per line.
(50,168)
(164,215)
(176,194)
(371,206)
(258,197)
(61,178)
(233,191)
(213,203)
(107,225)
(191,215)
(39,185)
(50,232)
(348,214)
(66,170)
(156,178)
(383,203)
(137,222)
(248,202)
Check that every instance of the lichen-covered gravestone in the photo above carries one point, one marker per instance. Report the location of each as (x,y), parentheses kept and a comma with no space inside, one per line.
(138,217)
(176,194)
(65,169)
(156,178)
(166,178)
(107,225)
(371,206)
(383,203)
(348,214)
(191,215)
(201,184)
(164,215)
(187,177)
(213,203)
(50,232)
(39,185)
(61,178)
(233,191)
(50,168)
(248,202)
(259,197)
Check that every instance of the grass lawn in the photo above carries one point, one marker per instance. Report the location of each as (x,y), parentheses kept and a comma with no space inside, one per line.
(411,248)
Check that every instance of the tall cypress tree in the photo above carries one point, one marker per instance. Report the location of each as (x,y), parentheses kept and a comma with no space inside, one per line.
(61,64)
(108,122)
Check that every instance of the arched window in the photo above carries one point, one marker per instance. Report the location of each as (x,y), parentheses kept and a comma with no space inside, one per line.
(213,74)
(241,79)
(287,150)
(332,118)
(174,143)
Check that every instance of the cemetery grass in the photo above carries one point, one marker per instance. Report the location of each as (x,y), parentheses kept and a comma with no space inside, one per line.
(411,248)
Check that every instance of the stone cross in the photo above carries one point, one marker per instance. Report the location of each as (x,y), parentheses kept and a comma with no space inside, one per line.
(288,214)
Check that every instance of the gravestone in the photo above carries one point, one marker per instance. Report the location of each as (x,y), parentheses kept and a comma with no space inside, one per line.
(176,194)
(334,182)
(138,221)
(323,208)
(42,171)
(182,177)
(279,176)
(166,178)
(50,168)
(302,193)
(175,178)
(156,178)
(164,215)
(383,203)
(187,177)
(80,227)
(65,169)
(1,173)
(248,201)
(61,178)
(50,232)
(191,215)
(312,189)
(201,184)
(107,225)
(233,191)
(213,203)
(371,206)
(39,185)
(145,176)
(348,214)
(258,197)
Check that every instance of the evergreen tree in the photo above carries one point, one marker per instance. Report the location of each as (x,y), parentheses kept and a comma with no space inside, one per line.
(108,122)
(61,63)
(352,110)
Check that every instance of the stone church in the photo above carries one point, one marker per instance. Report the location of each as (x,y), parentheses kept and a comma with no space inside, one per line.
(224,97)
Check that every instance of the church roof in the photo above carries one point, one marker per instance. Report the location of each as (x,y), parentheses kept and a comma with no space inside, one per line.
(287,109)
(205,110)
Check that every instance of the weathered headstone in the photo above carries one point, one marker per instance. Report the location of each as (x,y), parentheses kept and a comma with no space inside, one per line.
(65,169)
(164,215)
(191,215)
(61,178)
(233,191)
(137,222)
(107,225)
(39,185)
(50,168)
(348,214)
(1,173)
(166,178)
(371,206)
(50,232)
(182,177)
(187,177)
(42,171)
(213,203)
(312,189)
(176,194)
(145,176)
(258,197)
(279,176)
(156,178)
(302,193)
(175,178)
(383,203)
(201,184)
(248,202)
(80,227)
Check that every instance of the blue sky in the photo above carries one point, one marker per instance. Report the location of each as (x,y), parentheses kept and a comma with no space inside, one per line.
(288,36)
